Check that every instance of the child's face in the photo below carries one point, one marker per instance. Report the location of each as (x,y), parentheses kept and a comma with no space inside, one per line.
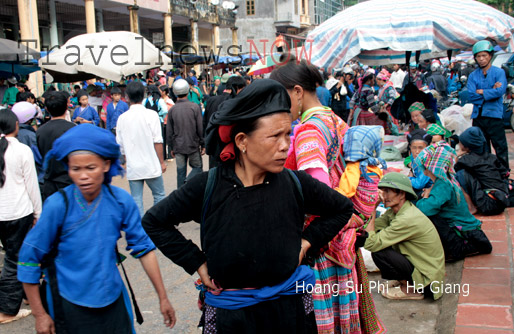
(116,97)
(83,100)
(436,138)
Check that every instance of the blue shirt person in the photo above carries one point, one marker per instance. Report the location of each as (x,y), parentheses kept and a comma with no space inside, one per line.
(84,113)
(83,222)
(486,87)
(115,109)
(324,96)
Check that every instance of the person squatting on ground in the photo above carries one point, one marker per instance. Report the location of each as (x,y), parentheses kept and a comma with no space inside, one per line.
(444,204)
(78,231)
(316,148)
(251,212)
(483,178)
(404,244)
(20,207)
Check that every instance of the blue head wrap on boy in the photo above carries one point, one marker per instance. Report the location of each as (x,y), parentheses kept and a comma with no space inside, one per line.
(88,137)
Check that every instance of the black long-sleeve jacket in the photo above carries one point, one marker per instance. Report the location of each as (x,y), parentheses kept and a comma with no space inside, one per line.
(251,236)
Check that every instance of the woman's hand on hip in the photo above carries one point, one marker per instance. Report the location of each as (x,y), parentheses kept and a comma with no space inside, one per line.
(204,276)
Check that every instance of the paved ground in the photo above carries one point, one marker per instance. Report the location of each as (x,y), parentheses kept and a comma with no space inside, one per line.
(487,308)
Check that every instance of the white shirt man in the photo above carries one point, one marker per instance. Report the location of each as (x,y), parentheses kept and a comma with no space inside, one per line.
(138,132)
(397,77)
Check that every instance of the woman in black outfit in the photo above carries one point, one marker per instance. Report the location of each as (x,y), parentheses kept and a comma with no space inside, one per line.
(251,212)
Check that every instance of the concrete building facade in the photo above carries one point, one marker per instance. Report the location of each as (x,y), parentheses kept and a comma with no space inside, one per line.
(259,22)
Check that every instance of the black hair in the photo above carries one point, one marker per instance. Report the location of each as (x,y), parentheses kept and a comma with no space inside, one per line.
(429,116)
(76,86)
(23,96)
(190,81)
(165,89)
(56,103)
(135,92)
(48,91)
(115,90)
(8,122)
(154,91)
(303,74)
(65,93)
(235,83)
(183,95)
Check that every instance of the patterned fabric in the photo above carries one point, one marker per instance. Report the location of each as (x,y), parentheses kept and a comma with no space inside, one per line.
(310,149)
(440,159)
(312,143)
(341,249)
(336,312)
(364,143)
(370,322)
(416,106)
(435,129)
(387,94)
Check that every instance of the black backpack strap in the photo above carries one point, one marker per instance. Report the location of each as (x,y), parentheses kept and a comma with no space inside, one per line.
(139,316)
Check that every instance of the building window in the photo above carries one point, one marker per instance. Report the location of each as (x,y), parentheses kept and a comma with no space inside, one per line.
(250,7)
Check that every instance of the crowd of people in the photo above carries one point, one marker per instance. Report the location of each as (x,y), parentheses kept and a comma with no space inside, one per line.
(291,198)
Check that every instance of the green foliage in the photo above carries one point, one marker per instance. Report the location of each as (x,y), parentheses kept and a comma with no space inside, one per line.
(505,6)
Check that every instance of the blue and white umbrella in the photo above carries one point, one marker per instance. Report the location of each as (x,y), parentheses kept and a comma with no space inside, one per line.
(379,32)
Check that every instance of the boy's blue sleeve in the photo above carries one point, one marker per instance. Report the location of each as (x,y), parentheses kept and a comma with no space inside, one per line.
(75,114)
(109,116)
(96,118)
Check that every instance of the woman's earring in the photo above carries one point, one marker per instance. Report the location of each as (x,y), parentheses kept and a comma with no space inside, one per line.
(244,150)
(299,107)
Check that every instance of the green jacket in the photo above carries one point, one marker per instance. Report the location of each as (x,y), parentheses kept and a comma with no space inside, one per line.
(412,234)
(443,201)
(194,97)
(10,95)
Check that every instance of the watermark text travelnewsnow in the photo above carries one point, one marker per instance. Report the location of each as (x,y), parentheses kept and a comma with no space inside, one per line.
(187,55)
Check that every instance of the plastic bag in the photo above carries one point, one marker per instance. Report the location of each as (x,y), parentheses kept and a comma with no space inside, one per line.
(453,119)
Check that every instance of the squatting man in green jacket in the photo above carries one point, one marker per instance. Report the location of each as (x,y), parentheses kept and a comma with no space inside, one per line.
(404,243)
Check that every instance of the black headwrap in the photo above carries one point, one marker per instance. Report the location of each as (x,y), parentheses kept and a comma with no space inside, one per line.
(262,97)
(474,139)
(419,134)
(429,116)
(81,93)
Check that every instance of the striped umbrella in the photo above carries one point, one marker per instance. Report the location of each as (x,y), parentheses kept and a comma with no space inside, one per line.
(265,65)
(379,32)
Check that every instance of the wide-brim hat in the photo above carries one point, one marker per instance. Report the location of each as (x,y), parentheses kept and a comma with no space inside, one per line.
(398,181)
